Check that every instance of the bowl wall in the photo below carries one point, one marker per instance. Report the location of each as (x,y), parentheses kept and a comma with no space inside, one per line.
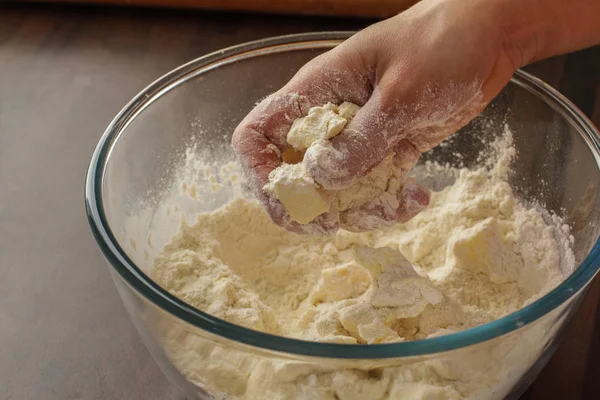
(141,205)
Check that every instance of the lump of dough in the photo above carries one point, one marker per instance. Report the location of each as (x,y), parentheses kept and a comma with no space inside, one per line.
(483,248)
(322,122)
(398,284)
(364,323)
(347,110)
(299,194)
(314,131)
(368,187)
(341,282)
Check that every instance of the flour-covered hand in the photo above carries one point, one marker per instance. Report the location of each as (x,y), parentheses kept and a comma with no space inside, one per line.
(418,77)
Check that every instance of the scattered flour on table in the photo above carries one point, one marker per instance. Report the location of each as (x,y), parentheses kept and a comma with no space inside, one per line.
(474,255)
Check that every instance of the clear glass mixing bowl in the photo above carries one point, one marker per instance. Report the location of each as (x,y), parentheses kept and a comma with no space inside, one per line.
(133,170)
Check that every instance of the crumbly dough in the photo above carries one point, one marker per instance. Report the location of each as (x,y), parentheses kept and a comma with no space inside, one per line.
(486,253)
(302,197)
(475,255)
(321,123)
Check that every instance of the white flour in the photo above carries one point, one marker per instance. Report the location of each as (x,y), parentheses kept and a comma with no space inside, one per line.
(478,254)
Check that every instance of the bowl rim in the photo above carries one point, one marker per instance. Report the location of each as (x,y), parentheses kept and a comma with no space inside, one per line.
(147,288)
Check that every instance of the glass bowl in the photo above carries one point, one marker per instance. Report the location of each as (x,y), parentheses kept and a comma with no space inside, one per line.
(136,162)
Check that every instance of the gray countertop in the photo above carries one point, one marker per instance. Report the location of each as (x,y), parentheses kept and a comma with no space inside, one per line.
(64,73)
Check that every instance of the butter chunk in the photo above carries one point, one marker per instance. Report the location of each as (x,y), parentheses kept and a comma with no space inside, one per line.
(321,123)
(483,248)
(341,282)
(364,323)
(298,192)
(347,110)
(294,187)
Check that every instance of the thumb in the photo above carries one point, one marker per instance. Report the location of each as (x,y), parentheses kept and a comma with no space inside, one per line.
(379,213)
(394,112)
(363,144)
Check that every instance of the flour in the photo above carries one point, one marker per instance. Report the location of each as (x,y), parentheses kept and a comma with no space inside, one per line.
(305,200)
(475,255)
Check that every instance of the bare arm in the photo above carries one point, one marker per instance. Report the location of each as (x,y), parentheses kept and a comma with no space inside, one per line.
(418,77)
(538,29)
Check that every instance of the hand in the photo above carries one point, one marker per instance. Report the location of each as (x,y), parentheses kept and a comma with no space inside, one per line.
(418,77)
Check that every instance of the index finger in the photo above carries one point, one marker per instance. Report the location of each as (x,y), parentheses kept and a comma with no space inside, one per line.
(260,138)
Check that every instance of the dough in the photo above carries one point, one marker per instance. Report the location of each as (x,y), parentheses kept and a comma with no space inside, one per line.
(290,181)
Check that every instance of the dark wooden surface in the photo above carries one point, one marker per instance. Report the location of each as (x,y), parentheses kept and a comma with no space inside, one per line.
(371,8)
(64,73)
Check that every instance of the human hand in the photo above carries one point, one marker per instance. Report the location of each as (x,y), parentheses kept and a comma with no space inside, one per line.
(418,77)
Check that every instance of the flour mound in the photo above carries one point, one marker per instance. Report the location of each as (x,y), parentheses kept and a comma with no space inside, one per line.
(475,255)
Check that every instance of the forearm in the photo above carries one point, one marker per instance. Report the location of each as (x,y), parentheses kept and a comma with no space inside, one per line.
(538,29)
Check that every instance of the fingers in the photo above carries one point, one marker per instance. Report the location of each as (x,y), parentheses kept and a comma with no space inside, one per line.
(336,76)
(362,145)
(260,139)
(427,136)
(332,77)
(413,199)
(382,212)
(406,155)
(386,210)
(396,111)
(257,156)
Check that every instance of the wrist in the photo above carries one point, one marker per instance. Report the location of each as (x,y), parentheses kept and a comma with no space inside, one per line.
(532,30)
(524,31)
(517,26)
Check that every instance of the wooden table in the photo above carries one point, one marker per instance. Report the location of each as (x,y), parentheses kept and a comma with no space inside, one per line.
(64,73)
